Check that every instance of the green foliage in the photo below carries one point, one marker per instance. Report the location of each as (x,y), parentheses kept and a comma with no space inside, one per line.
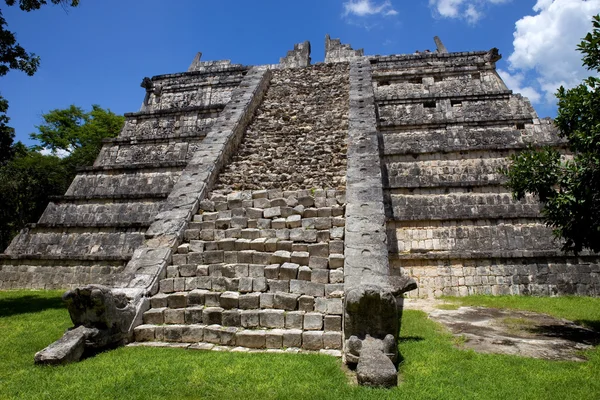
(26,183)
(78,133)
(28,178)
(569,187)
(14,57)
(432,367)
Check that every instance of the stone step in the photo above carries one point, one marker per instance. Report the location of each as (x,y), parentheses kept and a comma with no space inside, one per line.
(64,242)
(137,182)
(79,198)
(326,272)
(286,278)
(97,213)
(156,165)
(137,140)
(232,336)
(231,300)
(458,206)
(323,259)
(265,244)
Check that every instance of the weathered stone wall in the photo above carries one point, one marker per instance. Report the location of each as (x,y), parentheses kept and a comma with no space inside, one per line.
(298,137)
(448,126)
(478,136)
(541,276)
(436,110)
(412,83)
(103,217)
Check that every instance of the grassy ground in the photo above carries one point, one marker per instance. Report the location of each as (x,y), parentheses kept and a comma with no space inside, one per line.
(432,369)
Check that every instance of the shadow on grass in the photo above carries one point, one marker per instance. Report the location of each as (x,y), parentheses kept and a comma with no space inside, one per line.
(28,304)
(410,339)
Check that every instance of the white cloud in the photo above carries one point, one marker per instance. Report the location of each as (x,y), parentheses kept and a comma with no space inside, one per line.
(58,153)
(515,83)
(469,10)
(363,8)
(545,44)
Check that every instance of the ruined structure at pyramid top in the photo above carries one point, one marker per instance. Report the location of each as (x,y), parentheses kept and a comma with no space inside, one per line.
(335,51)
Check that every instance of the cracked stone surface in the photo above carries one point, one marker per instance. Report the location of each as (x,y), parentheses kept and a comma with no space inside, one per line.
(521,333)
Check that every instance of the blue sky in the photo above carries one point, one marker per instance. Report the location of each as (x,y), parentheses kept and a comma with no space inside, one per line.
(99,52)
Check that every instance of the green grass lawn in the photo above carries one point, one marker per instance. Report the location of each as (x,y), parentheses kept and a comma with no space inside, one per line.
(432,368)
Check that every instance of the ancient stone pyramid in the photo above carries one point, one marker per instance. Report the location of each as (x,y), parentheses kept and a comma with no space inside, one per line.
(288,207)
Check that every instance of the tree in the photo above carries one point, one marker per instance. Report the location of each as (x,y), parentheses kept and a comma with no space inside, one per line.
(13,56)
(29,178)
(569,186)
(77,133)
(26,184)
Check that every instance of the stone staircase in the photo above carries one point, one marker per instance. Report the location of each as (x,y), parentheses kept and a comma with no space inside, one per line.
(259,270)
(262,262)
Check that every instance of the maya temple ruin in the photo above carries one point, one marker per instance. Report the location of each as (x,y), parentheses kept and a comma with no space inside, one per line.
(293,206)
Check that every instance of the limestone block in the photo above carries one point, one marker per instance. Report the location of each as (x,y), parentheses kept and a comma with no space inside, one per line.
(272,271)
(193,334)
(173,333)
(154,316)
(266,300)
(212,334)
(292,338)
(300,257)
(313,321)
(231,318)
(177,300)
(144,333)
(274,338)
(229,300)
(159,300)
(174,316)
(276,286)
(245,285)
(194,315)
(286,301)
(253,339)
(250,318)
(332,340)
(288,271)
(312,340)
(336,261)
(294,320)
(256,270)
(272,212)
(333,323)
(272,318)
(166,285)
(304,273)
(336,275)
(212,315)
(320,276)
(249,301)
(259,284)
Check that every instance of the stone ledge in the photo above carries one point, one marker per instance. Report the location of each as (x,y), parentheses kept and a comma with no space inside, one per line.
(133,166)
(140,140)
(171,111)
(144,196)
(472,255)
(488,95)
(238,349)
